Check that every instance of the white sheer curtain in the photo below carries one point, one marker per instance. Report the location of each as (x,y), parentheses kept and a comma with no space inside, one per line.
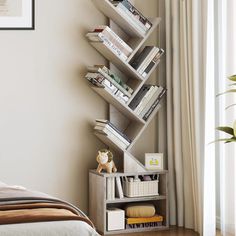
(185,73)
(223,59)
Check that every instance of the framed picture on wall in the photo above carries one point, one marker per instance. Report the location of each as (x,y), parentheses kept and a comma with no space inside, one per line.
(17,14)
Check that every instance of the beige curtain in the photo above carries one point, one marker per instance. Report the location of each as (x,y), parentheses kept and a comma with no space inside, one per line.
(185,22)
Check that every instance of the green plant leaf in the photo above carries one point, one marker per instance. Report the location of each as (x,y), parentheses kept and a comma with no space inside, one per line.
(226,140)
(234,127)
(228,91)
(232,78)
(230,106)
(226,129)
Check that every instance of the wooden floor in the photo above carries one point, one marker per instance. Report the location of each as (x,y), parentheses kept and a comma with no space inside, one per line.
(171,232)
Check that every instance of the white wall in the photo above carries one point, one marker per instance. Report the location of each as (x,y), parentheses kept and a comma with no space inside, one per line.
(46,106)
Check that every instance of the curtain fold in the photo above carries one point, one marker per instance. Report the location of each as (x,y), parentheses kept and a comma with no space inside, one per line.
(185,73)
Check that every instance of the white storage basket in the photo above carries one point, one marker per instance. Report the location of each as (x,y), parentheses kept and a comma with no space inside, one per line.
(141,189)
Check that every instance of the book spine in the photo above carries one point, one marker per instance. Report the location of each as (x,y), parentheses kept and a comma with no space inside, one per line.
(137,13)
(137,21)
(143,101)
(119,40)
(146,116)
(147,100)
(141,57)
(151,101)
(131,21)
(121,97)
(106,122)
(109,130)
(114,139)
(137,99)
(114,82)
(112,188)
(114,48)
(147,61)
(118,131)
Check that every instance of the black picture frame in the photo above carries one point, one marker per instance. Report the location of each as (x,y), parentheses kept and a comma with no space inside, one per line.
(32,27)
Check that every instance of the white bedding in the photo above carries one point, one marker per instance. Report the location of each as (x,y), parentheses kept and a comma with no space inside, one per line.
(56,228)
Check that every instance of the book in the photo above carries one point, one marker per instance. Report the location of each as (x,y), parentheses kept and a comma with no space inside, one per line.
(113,139)
(138,97)
(154,61)
(145,99)
(141,57)
(96,79)
(148,59)
(103,122)
(151,109)
(108,130)
(110,188)
(140,220)
(119,189)
(131,21)
(99,37)
(132,17)
(114,38)
(113,78)
(121,97)
(151,101)
(137,14)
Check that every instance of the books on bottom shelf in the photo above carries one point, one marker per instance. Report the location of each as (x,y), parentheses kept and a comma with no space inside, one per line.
(110,188)
(109,38)
(146,100)
(113,133)
(119,189)
(133,15)
(146,60)
(99,80)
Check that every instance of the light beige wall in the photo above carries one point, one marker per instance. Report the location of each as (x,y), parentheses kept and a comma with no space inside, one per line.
(46,107)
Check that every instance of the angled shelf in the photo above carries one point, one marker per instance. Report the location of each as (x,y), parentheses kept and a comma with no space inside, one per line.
(126,110)
(111,12)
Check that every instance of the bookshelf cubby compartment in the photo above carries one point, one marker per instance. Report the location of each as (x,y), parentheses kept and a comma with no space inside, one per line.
(98,202)
(129,122)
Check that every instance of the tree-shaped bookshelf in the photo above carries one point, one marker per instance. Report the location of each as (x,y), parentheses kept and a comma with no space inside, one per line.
(126,120)
(129,122)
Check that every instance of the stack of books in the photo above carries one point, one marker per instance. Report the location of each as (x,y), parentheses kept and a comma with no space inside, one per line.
(146,100)
(147,59)
(143,222)
(110,39)
(132,15)
(101,76)
(112,132)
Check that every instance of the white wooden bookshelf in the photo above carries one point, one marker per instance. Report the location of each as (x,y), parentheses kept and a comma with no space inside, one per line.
(127,121)
(98,202)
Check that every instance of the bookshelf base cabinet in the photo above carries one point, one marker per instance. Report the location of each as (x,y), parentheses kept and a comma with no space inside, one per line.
(101,199)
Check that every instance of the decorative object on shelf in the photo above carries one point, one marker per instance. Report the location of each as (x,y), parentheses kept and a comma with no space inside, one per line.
(154,161)
(105,160)
(136,210)
(115,219)
(17,15)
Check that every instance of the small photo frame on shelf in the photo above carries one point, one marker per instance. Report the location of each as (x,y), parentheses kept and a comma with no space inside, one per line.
(154,161)
(17,14)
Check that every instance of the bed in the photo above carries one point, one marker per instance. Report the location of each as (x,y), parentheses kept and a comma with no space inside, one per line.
(29,213)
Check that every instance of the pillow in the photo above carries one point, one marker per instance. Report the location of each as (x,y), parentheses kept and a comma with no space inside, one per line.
(140,210)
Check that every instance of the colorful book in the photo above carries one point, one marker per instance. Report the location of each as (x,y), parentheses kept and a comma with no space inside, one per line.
(141,220)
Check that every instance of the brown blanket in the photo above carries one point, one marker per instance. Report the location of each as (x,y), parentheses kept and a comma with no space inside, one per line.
(18,205)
